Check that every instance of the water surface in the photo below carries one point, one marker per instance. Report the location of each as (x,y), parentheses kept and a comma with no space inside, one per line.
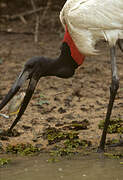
(75,168)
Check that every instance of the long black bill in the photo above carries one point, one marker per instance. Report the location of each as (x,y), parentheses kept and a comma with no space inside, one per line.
(15,88)
(29,93)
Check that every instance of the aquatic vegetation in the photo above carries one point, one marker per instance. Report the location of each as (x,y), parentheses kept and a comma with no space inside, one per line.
(115,126)
(114,142)
(4,161)
(54,135)
(79,125)
(116,155)
(68,142)
(69,148)
(76,144)
(22,149)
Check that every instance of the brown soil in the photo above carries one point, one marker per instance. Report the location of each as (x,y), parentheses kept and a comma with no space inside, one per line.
(84,96)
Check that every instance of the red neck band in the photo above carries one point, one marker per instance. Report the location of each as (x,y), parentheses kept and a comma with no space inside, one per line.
(76,55)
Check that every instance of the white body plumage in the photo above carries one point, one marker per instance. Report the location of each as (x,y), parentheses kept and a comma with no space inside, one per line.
(89,21)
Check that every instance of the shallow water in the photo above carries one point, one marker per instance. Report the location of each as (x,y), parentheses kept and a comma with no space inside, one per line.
(75,168)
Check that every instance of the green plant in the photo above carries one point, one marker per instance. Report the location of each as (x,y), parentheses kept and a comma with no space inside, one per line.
(114,155)
(54,135)
(115,126)
(22,149)
(4,161)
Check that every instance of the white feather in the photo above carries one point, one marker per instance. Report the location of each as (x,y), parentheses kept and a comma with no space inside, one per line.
(89,21)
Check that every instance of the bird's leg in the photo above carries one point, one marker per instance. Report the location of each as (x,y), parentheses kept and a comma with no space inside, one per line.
(113,91)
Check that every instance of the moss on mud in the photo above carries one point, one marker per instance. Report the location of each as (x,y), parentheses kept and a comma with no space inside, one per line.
(22,149)
(66,142)
(115,126)
(54,135)
(116,155)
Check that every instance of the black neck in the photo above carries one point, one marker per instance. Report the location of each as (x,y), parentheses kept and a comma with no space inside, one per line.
(64,66)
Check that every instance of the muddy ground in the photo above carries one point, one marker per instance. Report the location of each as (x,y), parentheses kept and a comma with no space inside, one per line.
(82,97)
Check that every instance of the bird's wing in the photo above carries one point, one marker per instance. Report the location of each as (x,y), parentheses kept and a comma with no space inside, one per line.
(96,14)
(91,20)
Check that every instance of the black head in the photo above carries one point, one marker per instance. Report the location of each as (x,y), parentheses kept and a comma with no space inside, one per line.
(37,67)
(34,69)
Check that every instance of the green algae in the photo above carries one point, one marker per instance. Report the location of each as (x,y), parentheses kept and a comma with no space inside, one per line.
(22,149)
(4,161)
(116,155)
(115,126)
